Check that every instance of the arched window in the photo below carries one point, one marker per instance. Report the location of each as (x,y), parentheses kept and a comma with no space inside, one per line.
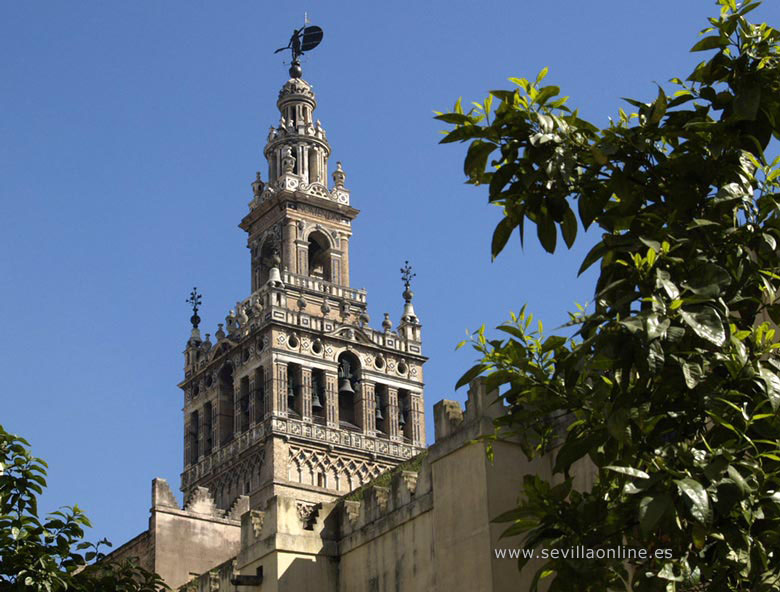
(226,408)
(244,404)
(194,433)
(349,384)
(264,263)
(294,390)
(318,395)
(405,414)
(319,256)
(208,427)
(382,419)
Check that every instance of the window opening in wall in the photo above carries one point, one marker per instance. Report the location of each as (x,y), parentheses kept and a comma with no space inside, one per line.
(381,414)
(265,262)
(318,394)
(194,435)
(244,404)
(226,413)
(404,414)
(208,427)
(294,389)
(319,256)
(349,383)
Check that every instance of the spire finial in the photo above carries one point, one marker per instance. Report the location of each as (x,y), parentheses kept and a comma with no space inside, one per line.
(195,301)
(304,39)
(406,276)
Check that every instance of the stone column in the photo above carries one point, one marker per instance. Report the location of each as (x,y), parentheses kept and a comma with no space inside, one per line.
(288,246)
(391,420)
(345,260)
(365,411)
(331,399)
(237,408)
(187,452)
(302,264)
(335,268)
(305,394)
(251,396)
(416,415)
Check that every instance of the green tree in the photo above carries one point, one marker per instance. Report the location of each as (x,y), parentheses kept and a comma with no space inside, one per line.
(671,386)
(51,554)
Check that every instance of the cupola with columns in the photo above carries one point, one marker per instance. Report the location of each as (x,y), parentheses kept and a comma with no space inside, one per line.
(298,393)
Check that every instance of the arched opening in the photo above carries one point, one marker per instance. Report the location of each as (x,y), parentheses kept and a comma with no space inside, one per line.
(382,419)
(349,385)
(405,414)
(264,263)
(314,166)
(294,403)
(226,418)
(319,256)
(193,435)
(244,404)
(208,428)
(318,395)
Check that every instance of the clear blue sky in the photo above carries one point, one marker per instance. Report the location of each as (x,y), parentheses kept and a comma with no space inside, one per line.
(129,135)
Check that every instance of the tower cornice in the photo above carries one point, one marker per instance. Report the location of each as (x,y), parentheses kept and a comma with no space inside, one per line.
(280,199)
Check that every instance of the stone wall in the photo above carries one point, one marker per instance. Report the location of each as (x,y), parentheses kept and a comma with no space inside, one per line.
(183,543)
(423,526)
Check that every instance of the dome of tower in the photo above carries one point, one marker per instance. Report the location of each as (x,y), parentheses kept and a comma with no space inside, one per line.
(296,88)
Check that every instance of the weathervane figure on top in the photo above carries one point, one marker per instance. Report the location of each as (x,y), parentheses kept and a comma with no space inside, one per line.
(304,39)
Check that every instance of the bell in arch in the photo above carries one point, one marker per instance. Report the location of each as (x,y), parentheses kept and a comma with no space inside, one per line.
(290,395)
(345,382)
(316,403)
(401,418)
(379,416)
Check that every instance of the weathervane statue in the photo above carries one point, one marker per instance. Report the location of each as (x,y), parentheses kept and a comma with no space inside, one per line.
(304,39)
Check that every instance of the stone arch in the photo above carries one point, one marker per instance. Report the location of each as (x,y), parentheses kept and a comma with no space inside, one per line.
(348,387)
(264,261)
(320,246)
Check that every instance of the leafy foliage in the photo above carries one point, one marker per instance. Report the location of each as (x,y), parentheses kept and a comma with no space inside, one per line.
(50,554)
(671,386)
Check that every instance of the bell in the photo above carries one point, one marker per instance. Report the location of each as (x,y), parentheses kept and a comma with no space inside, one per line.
(316,403)
(379,416)
(345,387)
(290,395)
(401,419)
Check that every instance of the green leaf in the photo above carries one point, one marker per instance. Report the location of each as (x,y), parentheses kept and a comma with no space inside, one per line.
(546,93)
(697,497)
(501,235)
(471,374)
(659,108)
(553,342)
(706,323)
(631,472)
(772,387)
(545,230)
(651,508)
(569,227)
(574,449)
(713,42)
(476,158)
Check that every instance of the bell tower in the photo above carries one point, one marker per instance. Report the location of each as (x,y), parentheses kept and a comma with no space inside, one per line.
(297,394)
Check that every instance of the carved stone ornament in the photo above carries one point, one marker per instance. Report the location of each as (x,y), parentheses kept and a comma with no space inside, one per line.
(308,512)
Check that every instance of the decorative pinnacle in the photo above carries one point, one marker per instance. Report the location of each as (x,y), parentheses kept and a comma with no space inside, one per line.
(195,301)
(406,276)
